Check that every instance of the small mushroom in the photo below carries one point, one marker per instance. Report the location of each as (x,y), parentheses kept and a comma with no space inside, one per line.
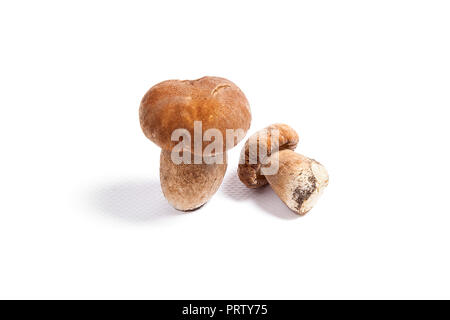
(214,103)
(299,181)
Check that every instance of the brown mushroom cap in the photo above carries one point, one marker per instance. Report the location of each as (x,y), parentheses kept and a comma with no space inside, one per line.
(189,186)
(299,182)
(250,174)
(174,104)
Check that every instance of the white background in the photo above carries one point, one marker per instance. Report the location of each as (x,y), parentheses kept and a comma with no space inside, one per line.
(365,83)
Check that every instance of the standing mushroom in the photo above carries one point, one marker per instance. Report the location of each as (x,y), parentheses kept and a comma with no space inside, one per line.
(299,181)
(212,103)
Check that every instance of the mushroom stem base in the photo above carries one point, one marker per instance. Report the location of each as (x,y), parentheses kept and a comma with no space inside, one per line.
(189,186)
(299,181)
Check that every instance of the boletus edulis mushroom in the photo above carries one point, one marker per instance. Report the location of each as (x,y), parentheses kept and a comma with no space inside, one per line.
(197,108)
(298,181)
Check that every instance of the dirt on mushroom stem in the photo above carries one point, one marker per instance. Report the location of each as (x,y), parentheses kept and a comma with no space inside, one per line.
(299,182)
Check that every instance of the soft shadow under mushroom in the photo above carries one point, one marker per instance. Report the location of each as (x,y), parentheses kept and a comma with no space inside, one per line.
(134,201)
(263,197)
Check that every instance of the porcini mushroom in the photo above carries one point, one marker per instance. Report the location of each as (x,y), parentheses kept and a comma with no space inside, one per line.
(298,182)
(214,103)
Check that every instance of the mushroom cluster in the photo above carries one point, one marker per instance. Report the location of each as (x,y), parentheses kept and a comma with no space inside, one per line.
(298,181)
(216,103)
(196,108)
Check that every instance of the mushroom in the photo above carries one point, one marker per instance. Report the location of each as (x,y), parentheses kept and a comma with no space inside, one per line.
(298,182)
(197,107)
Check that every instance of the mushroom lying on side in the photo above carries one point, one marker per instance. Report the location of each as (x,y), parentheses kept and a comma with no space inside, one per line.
(299,181)
(211,102)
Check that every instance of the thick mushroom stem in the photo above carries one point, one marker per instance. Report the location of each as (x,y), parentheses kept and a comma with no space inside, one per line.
(299,181)
(189,186)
